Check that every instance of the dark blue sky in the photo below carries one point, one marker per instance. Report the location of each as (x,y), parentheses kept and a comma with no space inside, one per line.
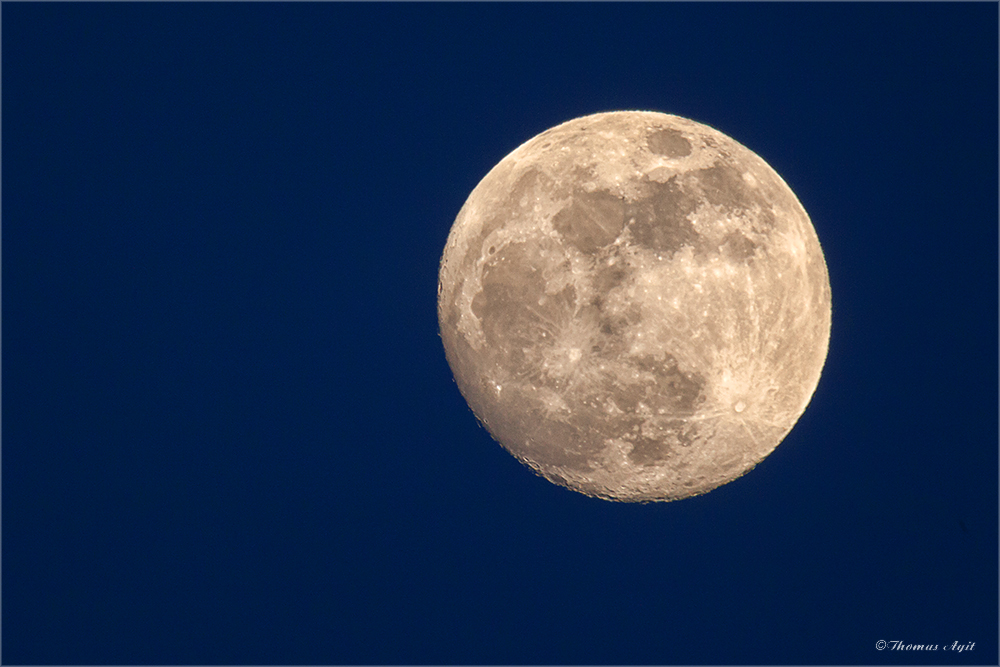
(230,434)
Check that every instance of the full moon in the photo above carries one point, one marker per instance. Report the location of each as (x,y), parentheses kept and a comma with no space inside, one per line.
(635,306)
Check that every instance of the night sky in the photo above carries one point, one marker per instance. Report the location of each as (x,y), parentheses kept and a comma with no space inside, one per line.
(230,434)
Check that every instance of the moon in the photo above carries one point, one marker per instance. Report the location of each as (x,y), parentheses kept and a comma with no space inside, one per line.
(635,306)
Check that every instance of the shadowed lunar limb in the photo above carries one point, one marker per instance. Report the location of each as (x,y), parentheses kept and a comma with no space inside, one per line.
(635,306)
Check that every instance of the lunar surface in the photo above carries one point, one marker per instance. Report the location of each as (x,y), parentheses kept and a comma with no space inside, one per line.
(635,305)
